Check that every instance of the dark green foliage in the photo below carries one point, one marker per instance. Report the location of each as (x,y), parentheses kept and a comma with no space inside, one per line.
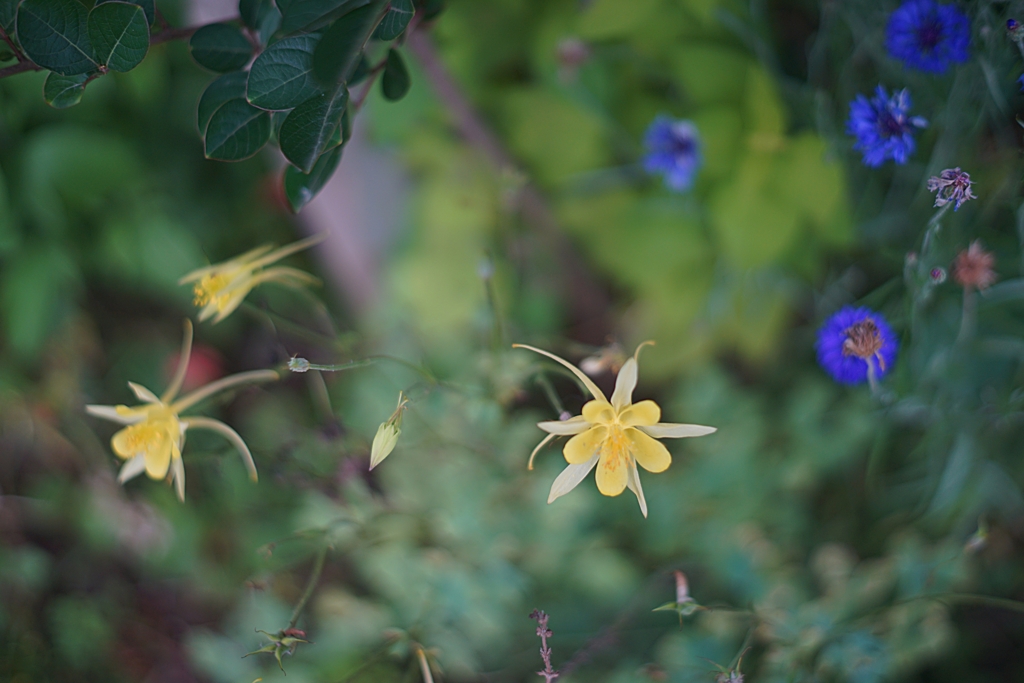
(301,187)
(228,87)
(309,15)
(281,77)
(236,131)
(395,82)
(119,33)
(54,34)
(309,128)
(220,47)
(395,20)
(337,54)
(61,92)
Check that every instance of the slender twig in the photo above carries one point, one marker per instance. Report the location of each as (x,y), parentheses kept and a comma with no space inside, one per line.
(314,579)
(18,68)
(371,79)
(544,632)
(162,36)
(10,44)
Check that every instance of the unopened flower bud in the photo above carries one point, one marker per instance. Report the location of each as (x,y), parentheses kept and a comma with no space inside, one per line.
(387,434)
(296,364)
(384,442)
(938,275)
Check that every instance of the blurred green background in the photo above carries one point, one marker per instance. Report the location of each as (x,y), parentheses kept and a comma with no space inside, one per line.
(826,527)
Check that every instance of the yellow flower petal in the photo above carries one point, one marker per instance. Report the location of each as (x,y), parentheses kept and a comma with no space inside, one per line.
(570,478)
(625,382)
(158,458)
(634,485)
(612,471)
(674,430)
(643,413)
(570,427)
(587,382)
(650,453)
(598,412)
(583,447)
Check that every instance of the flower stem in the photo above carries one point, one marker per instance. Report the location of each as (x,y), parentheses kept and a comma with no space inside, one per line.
(314,578)
(968,317)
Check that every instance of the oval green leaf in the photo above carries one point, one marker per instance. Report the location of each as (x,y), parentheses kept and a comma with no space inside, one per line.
(395,82)
(308,130)
(301,187)
(228,87)
(120,34)
(309,15)
(54,34)
(236,131)
(282,76)
(220,47)
(394,22)
(338,52)
(61,92)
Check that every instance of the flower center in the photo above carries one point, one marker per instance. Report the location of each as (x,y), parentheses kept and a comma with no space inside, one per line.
(890,125)
(208,289)
(929,35)
(864,341)
(615,448)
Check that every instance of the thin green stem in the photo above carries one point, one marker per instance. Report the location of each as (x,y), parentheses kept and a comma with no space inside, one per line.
(314,578)
(549,391)
(968,317)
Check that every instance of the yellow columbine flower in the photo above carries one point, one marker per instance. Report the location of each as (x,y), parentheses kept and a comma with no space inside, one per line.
(614,435)
(220,288)
(155,434)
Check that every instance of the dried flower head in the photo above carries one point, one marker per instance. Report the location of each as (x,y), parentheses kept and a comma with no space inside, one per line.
(952,185)
(854,340)
(973,267)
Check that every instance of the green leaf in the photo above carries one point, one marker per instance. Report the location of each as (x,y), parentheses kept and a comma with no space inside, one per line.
(8,11)
(395,81)
(282,76)
(301,187)
(148,6)
(307,131)
(61,92)
(227,87)
(55,36)
(261,16)
(361,71)
(394,22)
(236,131)
(336,56)
(220,47)
(309,15)
(120,35)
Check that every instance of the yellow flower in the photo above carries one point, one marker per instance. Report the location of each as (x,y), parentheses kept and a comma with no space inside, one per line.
(155,432)
(614,435)
(220,288)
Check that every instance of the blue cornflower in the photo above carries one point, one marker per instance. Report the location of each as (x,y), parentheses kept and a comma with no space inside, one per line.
(882,127)
(1021,81)
(853,339)
(928,36)
(673,149)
